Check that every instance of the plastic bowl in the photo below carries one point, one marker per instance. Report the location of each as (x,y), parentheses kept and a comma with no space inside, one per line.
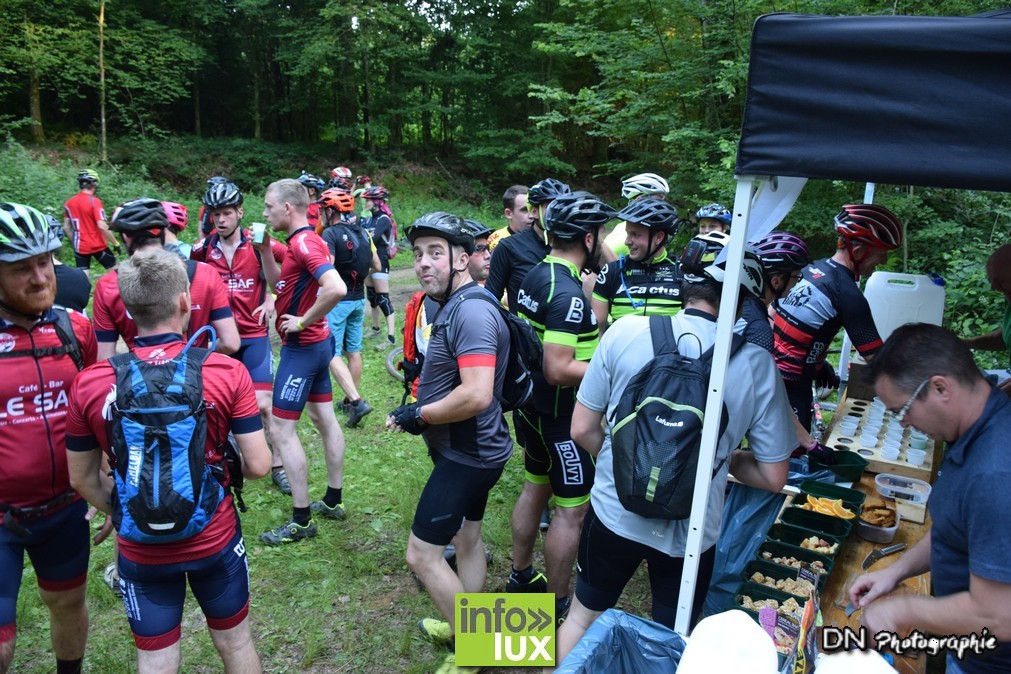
(869,532)
(902,488)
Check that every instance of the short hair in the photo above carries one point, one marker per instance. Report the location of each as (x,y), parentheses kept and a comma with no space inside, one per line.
(290,191)
(918,351)
(705,290)
(149,283)
(509,198)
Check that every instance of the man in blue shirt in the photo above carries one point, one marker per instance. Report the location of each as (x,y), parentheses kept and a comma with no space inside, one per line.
(927,377)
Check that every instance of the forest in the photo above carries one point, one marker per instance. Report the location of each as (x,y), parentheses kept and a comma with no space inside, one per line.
(485,93)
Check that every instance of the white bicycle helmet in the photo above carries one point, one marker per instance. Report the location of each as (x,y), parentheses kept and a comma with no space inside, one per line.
(644,184)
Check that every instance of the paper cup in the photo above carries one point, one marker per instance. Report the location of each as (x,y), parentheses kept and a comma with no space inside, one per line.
(258,228)
(916,457)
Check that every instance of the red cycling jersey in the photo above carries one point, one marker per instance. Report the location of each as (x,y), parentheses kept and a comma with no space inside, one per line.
(85,212)
(243,278)
(308,258)
(208,302)
(34,412)
(231,406)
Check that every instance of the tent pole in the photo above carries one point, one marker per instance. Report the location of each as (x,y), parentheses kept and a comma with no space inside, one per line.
(710,426)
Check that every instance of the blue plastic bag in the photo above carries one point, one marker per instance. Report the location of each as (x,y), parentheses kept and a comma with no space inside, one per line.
(747,515)
(619,643)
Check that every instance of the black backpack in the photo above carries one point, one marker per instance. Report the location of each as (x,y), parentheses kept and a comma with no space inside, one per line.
(656,428)
(352,252)
(68,339)
(525,352)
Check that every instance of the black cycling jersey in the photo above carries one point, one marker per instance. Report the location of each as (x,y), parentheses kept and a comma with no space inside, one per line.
(826,299)
(640,288)
(754,325)
(513,258)
(551,299)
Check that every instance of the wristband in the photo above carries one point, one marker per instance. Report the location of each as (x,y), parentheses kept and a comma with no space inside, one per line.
(298,324)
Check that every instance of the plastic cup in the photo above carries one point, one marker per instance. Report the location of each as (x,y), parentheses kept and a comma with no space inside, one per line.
(868,440)
(848,429)
(916,457)
(892,445)
(872,429)
(889,454)
(258,228)
(918,444)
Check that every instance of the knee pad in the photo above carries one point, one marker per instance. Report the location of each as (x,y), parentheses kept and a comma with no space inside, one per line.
(384,304)
(373,298)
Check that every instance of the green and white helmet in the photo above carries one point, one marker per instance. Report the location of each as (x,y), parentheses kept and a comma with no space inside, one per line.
(25,232)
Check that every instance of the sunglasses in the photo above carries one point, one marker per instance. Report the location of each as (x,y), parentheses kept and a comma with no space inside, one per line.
(480,248)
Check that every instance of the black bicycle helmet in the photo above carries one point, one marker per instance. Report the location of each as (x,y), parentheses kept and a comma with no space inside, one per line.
(25,233)
(652,213)
(445,226)
(139,215)
(547,190)
(477,229)
(222,195)
(782,253)
(570,216)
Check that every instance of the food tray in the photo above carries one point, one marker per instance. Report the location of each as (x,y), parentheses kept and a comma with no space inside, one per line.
(838,440)
(800,554)
(758,592)
(848,466)
(851,498)
(777,571)
(794,535)
(875,534)
(824,524)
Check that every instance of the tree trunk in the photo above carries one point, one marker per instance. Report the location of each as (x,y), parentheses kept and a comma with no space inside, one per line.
(367,107)
(101,77)
(196,107)
(257,119)
(35,105)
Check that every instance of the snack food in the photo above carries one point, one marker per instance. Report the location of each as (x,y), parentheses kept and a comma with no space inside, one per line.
(819,545)
(797,586)
(789,607)
(827,506)
(876,513)
(793,562)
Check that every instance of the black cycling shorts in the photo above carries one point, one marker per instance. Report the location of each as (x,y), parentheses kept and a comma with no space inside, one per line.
(454,493)
(550,455)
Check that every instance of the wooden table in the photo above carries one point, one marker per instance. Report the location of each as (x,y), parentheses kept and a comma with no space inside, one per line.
(848,568)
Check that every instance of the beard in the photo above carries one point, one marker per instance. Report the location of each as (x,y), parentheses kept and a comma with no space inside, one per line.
(33,301)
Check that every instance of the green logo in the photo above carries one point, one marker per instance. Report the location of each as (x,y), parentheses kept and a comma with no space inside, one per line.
(515,630)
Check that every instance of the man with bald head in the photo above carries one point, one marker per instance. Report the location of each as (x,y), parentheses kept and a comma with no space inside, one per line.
(998,272)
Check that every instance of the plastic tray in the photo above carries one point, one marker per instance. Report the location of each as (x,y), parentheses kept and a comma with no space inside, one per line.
(902,488)
(825,524)
(794,535)
(756,592)
(776,571)
(786,550)
(851,498)
(849,466)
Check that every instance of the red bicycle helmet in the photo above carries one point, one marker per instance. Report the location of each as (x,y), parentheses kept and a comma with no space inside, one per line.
(869,224)
(341,172)
(177,215)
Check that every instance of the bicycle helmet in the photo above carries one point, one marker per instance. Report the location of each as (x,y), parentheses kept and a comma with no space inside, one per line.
(644,184)
(176,214)
(869,224)
(377,193)
(341,172)
(572,215)
(309,181)
(337,199)
(445,226)
(714,242)
(340,184)
(222,195)
(362,180)
(697,264)
(716,212)
(25,233)
(477,229)
(214,180)
(547,190)
(652,213)
(138,215)
(782,253)
(87,176)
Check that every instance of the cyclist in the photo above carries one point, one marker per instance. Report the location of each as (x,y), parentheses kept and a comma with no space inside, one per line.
(377,287)
(517,214)
(828,298)
(551,299)
(142,223)
(177,221)
(230,253)
(308,287)
(512,261)
(353,258)
(480,259)
(314,186)
(86,227)
(644,281)
(637,187)
(204,217)
(340,178)
(783,256)
(41,513)
(714,218)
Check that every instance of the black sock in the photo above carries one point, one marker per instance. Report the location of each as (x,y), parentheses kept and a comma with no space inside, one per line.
(333,497)
(69,666)
(301,516)
(392,340)
(274,469)
(524,573)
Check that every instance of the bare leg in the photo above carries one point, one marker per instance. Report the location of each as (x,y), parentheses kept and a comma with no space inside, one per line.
(342,374)
(235,646)
(355,367)
(263,402)
(560,547)
(293,457)
(471,564)
(162,661)
(526,520)
(428,564)
(323,417)
(572,630)
(7,654)
(68,619)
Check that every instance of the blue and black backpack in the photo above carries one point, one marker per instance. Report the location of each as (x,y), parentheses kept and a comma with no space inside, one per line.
(164,489)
